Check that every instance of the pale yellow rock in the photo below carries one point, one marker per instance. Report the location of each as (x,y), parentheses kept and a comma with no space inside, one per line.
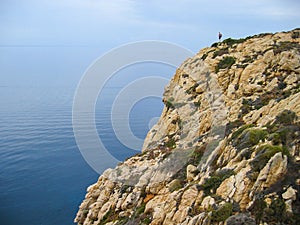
(290,193)
(191,172)
(129,201)
(158,215)
(227,188)
(104,210)
(207,203)
(268,201)
(243,185)
(272,172)
(288,205)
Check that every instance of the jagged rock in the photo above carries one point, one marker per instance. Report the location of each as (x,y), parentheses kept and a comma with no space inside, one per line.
(188,198)
(174,185)
(208,202)
(272,172)
(103,210)
(288,205)
(191,172)
(158,215)
(227,188)
(240,219)
(229,132)
(290,194)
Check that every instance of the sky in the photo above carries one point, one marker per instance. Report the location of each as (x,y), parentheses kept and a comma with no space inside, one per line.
(52,42)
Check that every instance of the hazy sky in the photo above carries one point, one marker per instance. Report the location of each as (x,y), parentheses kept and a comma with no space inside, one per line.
(53,41)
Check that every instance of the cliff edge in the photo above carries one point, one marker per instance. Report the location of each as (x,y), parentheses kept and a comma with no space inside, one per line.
(226,149)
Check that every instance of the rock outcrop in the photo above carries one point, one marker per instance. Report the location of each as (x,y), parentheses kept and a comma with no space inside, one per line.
(226,149)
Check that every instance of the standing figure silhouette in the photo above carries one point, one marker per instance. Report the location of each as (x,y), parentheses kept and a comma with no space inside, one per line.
(220,36)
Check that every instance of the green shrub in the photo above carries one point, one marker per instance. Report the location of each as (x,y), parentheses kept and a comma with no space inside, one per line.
(240,130)
(171,144)
(146,221)
(249,137)
(285,46)
(275,138)
(222,213)
(287,117)
(276,211)
(212,183)
(284,129)
(281,85)
(140,209)
(258,208)
(170,103)
(246,106)
(220,52)
(253,135)
(225,63)
(231,41)
(215,44)
(264,153)
(249,104)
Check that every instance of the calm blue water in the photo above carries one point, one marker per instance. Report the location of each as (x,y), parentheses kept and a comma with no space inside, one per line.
(42,174)
(43,177)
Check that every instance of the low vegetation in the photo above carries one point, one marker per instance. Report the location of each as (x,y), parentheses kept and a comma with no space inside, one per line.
(247,137)
(220,52)
(264,153)
(275,213)
(213,182)
(231,41)
(170,103)
(285,46)
(222,213)
(225,63)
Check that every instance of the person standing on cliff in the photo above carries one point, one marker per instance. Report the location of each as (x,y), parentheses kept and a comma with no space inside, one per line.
(220,36)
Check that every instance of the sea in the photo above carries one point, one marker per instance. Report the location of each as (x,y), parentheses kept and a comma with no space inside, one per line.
(43,175)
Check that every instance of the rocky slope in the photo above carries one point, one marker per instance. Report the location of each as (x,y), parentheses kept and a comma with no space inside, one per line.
(226,148)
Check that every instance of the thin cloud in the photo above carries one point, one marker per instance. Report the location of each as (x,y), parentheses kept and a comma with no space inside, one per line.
(102,9)
(86,21)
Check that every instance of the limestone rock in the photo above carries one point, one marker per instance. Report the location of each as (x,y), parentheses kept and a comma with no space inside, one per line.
(288,205)
(227,189)
(191,172)
(208,202)
(290,194)
(272,172)
(240,219)
(229,132)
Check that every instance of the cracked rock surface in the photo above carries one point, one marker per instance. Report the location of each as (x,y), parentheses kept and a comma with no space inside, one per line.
(226,149)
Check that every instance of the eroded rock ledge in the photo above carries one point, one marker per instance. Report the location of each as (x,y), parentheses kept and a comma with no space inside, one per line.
(226,148)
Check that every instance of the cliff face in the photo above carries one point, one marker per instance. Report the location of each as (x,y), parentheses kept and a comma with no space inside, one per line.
(226,147)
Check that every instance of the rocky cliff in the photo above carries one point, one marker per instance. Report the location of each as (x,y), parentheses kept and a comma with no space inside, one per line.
(226,149)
